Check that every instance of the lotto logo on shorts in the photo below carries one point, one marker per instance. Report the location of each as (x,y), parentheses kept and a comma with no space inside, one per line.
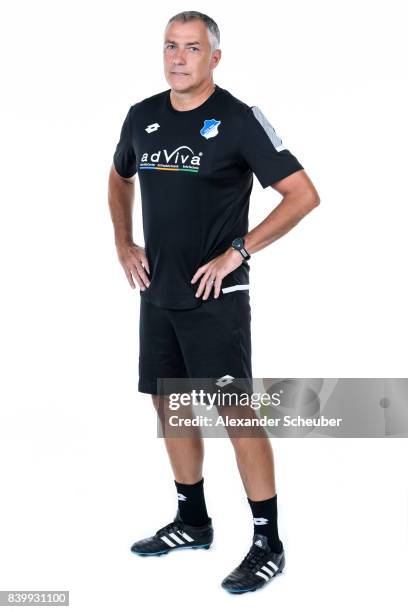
(224,380)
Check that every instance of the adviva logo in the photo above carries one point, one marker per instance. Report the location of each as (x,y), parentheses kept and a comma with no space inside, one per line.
(183,155)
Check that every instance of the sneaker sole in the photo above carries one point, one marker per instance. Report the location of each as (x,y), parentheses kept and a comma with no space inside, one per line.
(165,552)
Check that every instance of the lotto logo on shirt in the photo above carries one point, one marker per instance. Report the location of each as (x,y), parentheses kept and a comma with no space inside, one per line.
(182,159)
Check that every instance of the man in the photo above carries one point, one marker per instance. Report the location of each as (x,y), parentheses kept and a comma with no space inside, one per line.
(195,148)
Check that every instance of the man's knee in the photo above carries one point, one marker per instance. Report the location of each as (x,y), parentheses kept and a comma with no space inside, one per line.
(160,401)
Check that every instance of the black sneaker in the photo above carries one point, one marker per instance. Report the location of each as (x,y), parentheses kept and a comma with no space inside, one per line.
(175,535)
(258,567)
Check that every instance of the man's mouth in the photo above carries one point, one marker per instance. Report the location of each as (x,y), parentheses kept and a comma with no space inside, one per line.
(181,73)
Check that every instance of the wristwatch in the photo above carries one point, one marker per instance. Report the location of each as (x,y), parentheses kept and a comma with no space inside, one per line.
(238,245)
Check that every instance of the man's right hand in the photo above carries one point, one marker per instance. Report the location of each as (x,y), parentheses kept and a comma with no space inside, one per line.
(134,262)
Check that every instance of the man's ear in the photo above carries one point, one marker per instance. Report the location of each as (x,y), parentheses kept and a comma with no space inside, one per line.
(216,58)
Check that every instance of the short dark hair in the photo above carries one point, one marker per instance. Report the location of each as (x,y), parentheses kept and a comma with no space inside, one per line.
(213,29)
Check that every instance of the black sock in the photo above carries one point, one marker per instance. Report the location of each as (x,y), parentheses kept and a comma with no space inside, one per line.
(191,503)
(265,515)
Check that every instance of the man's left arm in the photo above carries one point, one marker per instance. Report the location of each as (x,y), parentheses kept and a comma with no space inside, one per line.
(263,151)
(299,198)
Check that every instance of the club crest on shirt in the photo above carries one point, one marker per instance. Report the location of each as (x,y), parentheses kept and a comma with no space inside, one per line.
(210,128)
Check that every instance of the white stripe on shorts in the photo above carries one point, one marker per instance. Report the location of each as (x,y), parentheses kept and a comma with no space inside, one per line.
(234,288)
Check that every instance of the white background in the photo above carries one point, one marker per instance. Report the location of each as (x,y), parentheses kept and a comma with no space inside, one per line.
(82,472)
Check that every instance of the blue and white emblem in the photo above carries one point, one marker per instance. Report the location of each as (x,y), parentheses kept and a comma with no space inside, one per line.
(210,128)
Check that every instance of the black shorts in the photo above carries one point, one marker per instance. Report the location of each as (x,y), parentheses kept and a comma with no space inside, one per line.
(210,341)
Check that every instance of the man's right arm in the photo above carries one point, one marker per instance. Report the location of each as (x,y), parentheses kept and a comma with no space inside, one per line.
(121,193)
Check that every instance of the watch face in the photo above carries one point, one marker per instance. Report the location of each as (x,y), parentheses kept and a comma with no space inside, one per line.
(238,243)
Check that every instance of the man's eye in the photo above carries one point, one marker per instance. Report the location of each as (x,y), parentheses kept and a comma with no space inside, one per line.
(171,47)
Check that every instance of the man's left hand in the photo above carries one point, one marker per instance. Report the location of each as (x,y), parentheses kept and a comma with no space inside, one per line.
(214,271)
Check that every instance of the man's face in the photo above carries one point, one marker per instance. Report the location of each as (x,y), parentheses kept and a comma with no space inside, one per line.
(188,60)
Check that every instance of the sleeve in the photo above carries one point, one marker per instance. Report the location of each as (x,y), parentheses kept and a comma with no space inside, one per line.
(263,150)
(124,158)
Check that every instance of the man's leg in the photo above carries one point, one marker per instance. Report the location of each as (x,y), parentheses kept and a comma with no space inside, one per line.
(192,527)
(255,462)
(186,454)
(161,358)
(266,557)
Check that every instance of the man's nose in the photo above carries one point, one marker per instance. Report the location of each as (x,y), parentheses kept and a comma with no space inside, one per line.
(179,56)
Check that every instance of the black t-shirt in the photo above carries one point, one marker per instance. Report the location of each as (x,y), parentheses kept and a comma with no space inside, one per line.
(195,171)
